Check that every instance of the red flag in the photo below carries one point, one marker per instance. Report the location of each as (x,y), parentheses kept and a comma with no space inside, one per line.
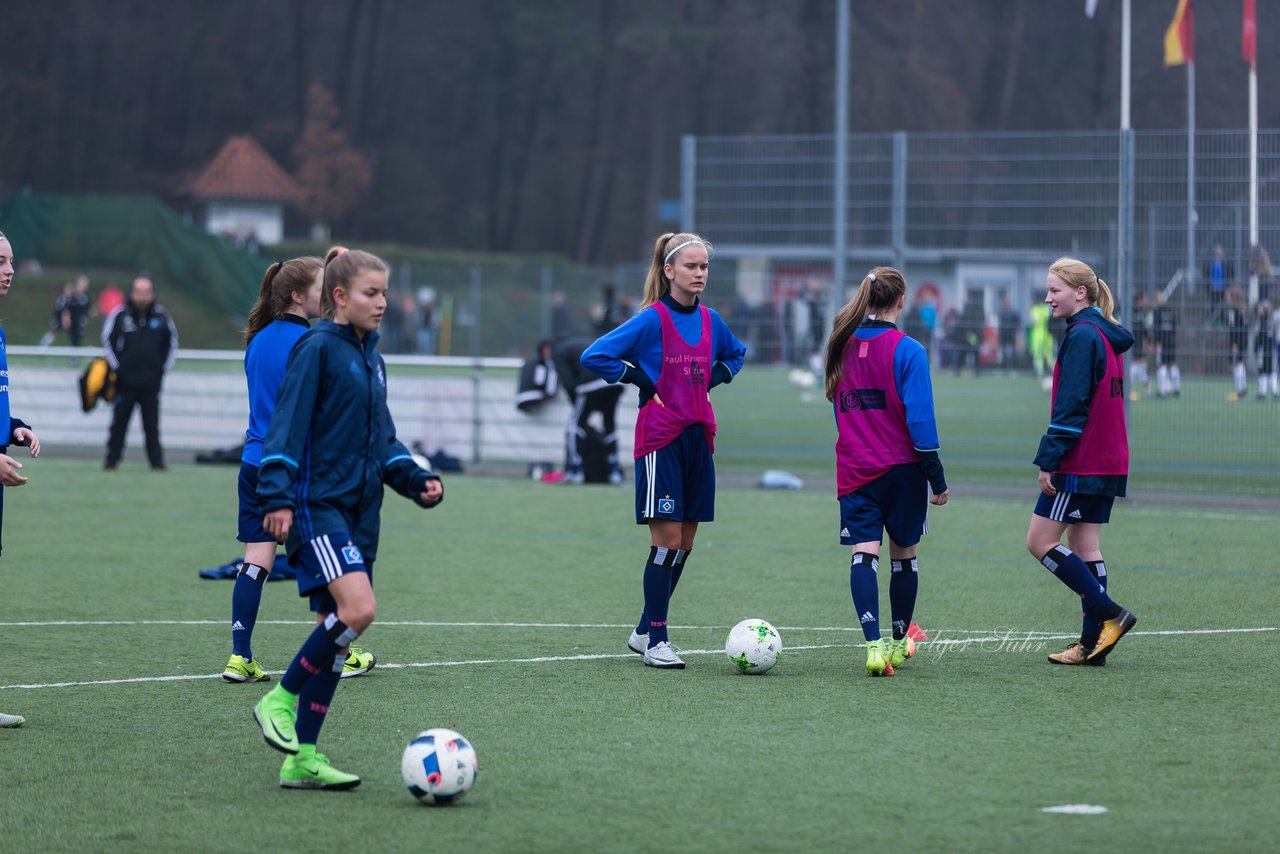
(1180,38)
(1249,32)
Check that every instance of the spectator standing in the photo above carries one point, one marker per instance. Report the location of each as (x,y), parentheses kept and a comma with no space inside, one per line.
(1164,328)
(140,342)
(1138,374)
(562,323)
(1260,263)
(1217,273)
(1264,344)
(430,322)
(1238,340)
(1010,320)
(59,318)
(1039,341)
(110,299)
(393,327)
(78,307)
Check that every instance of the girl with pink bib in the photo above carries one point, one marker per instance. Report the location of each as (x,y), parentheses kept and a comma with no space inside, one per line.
(675,350)
(1084,455)
(887,463)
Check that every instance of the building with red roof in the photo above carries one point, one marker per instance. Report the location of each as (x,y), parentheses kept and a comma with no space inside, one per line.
(242,193)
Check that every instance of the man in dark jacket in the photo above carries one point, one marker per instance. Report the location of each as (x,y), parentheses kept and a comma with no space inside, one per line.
(140,343)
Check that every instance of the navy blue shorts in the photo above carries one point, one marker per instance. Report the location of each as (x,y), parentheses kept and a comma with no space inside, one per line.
(327,558)
(896,502)
(250,529)
(1071,507)
(677,483)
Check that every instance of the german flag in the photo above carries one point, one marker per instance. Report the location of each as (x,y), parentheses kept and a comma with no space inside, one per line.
(1180,38)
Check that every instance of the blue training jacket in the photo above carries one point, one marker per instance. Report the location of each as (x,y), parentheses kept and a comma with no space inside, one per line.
(332,443)
(264,363)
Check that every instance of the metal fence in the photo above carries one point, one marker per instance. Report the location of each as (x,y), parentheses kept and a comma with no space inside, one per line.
(975,219)
(464,407)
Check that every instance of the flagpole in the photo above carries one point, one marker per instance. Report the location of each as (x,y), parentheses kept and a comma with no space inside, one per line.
(1190,270)
(1253,180)
(840,236)
(1124,65)
(1126,173)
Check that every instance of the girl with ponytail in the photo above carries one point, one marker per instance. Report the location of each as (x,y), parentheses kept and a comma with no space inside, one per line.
(675,350)
(877,380)
(1084,455)
(289,295)
(329,452)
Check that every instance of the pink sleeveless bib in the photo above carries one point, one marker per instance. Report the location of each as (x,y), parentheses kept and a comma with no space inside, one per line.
(682,385)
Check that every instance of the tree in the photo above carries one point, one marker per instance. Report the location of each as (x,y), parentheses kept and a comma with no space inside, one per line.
(333,173)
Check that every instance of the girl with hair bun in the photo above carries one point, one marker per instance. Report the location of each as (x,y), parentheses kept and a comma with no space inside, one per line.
(1084,455)
(877,380)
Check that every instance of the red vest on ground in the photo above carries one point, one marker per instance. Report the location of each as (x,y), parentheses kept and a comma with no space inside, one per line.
(682,385)
(1104,444)
(870,415)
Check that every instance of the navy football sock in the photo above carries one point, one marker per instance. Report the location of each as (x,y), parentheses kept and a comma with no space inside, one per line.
(1072,572)
(657,592)
(314,702)
(1090,627)
(317,653)
(904,582)
(642,627)
(677,567)
(866,595)
(246,596)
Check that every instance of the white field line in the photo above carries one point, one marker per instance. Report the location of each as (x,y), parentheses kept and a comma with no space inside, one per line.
(454,624)
(1021,638)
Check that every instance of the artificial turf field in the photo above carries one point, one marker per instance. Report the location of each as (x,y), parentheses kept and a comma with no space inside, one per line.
(504,614)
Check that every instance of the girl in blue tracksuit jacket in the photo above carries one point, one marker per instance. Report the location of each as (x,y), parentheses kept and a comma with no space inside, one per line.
(290,294)
(330,448)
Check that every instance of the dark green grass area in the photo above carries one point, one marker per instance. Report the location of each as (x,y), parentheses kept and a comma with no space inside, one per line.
(959,752)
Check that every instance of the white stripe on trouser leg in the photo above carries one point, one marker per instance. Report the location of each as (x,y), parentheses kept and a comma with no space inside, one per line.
(1060,506)
(317,548)
(650,490)
(327,557)
(334,558)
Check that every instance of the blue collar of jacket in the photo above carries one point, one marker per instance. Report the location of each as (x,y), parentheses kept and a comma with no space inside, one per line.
(1090,314)
(671,303)
(347,332)
(293,318)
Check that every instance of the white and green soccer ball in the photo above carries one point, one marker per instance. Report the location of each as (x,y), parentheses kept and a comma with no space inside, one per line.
(753,646)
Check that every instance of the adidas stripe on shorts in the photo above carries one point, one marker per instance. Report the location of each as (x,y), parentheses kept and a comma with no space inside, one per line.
(1071,507)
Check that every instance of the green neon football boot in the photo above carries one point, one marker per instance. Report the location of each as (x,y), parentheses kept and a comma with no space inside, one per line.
(276,713)
(311,770)
(358,663)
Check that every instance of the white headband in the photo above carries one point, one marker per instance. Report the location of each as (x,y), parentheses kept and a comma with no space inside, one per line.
(681,246)
(871,277)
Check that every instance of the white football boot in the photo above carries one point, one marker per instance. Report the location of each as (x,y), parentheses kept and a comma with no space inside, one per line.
(663,655)
(638,643)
